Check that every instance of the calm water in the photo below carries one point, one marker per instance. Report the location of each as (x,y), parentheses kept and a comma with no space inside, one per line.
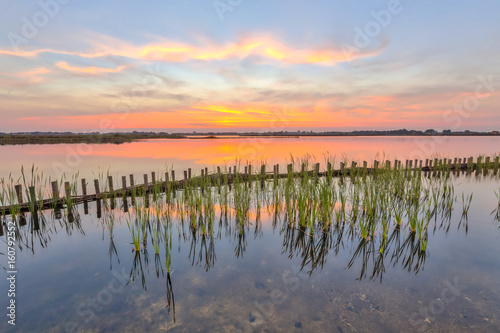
(157,155)
(264,277)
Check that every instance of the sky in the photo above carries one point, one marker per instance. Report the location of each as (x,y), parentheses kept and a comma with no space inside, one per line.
(249,65)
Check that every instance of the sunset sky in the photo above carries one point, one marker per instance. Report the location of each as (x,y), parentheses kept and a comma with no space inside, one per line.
(260,65)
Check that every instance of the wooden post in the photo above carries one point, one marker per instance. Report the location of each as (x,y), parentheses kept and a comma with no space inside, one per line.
(124,185)
(97,190)
(110,183)
(185,175)
(365,166)
(277,169)
(317,168)
(388,165)
(263,170)
(153,178)
(189,173)
(67,188)
(132,180)
(146,183)
(410,164)
(218,170)
(206,172)
(166,180)
(289,168)
(487,162)
(250,170)
(33,196)
(202,173)
(19,193)
(84,188)
(234,169)
(375,165)
(246,170)
(173,175)
(55,189)
(342,167)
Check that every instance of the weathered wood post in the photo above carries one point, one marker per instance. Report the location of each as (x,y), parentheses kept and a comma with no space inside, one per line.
(206,172)
(342,167)
(316,169)
(97,190)
(202,173)
(124,185)
(33,203)
(19,193)
(67,188)
(55,189)
(146,184)
(189,173)
(84,188)
(153,178)
(185,175)
(173,174)
(110,184)
(124,190)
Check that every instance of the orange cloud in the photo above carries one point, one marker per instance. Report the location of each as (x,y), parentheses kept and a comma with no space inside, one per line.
(32,76)
(88,70)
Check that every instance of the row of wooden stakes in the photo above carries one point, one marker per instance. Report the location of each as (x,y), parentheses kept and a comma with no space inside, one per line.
(458,164)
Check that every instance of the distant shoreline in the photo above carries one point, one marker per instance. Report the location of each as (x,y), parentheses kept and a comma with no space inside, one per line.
(119,138)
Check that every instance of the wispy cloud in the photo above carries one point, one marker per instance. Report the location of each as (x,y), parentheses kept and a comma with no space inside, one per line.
(89,70)
(266,47)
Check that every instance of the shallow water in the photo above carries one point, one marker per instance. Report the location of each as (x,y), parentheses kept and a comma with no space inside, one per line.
(265,277)
(157,155)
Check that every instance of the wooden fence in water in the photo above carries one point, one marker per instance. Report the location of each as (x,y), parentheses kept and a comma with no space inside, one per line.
(429,166)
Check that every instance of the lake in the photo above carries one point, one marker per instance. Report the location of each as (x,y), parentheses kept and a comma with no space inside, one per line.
(202,267)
